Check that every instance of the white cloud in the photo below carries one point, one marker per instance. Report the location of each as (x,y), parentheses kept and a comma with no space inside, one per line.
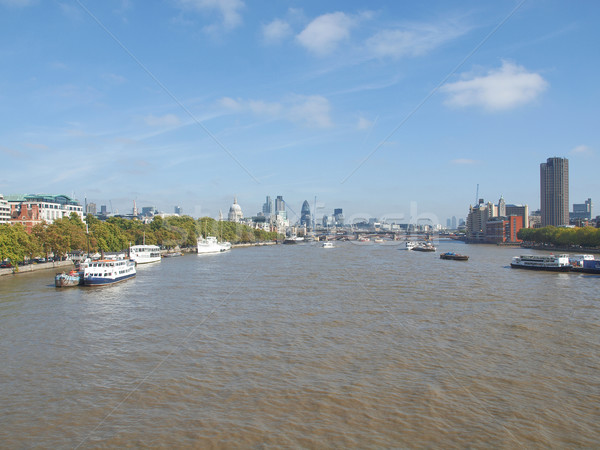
(313,110)
(412,40)
(501,89)
(464,161)
(276,31)
(324,34)
(364,124)
(229,9)
(168,120)
(581,150)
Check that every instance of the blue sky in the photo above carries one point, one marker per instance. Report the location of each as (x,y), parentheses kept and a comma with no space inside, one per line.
(370,106)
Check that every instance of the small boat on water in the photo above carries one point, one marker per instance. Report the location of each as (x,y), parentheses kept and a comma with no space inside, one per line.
(454,256)
(550,263)
(143,254)
(293,240)
(409,245)
(327,245)
(211,245)
(172,254)
(64,279)
(424,247)
(108,271)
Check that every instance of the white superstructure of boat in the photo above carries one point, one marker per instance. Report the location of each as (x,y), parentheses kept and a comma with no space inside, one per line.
(553,263)
(211,245)
(409,245)
(143,254)
(108,271)
(327,245)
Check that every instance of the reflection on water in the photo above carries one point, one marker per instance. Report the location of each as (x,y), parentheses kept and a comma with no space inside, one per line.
(360,345)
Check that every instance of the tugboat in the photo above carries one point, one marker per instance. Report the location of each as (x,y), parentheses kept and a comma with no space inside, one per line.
(454,256)
(73,278)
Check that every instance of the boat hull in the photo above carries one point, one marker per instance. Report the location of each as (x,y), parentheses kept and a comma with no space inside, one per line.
(99,281)
(67,280)
(542,268)
(454,257)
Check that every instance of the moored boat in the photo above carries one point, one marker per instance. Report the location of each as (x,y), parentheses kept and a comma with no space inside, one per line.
(64,279)
(551,263)
(143,254)
(108,271)
(585,264)
(454,256)
(211,245)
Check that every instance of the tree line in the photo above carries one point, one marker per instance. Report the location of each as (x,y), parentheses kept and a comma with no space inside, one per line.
(116,234)
(561,237)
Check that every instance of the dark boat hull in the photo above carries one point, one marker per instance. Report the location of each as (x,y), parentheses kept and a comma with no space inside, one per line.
(543,269)
(455,257)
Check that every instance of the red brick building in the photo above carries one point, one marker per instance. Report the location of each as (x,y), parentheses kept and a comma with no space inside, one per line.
(503,229)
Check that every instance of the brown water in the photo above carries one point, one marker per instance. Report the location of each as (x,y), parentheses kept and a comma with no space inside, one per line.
(299,346)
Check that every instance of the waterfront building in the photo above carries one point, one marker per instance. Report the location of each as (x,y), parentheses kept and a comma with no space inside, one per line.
(305,216)
(503,229)
(235,212)
(4,210)
(518,210)
(32,209)
(582,210)
(554,191)
(267,208)
(477,220)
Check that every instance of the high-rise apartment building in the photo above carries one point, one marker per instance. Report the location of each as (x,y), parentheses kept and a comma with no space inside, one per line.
(554,191)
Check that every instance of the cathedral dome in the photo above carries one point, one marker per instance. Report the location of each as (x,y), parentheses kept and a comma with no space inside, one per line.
(235,212)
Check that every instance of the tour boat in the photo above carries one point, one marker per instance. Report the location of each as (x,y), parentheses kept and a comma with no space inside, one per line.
(409,245)
(143,254)
(73,278)
(108,271)
(211,245)
(552,263)
(454,256)
(424,247)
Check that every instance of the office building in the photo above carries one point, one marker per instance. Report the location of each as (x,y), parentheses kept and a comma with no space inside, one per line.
(279,204)
(582,210)
(554,191)
(32,209)
(177,210)
(305,216)
(267,208)
(4,210)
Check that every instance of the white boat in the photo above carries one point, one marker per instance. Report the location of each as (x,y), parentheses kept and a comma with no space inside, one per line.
(108,271)
(211,245)
(327,245)
(551,263)
(424,247)
(143,254)
(409,245)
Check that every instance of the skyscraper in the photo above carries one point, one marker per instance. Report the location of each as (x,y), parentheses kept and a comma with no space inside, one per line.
(267,208)
(279,204)
(554,191)
(305,216)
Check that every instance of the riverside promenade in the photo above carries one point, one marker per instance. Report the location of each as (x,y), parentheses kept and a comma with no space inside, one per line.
(35,267)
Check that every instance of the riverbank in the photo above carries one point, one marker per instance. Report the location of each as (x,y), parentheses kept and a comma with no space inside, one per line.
(35,267)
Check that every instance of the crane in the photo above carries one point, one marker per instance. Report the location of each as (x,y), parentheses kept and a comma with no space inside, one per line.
(477,195)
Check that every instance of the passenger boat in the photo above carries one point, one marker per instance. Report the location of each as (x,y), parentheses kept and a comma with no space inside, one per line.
(211,245)
(550,263)
(293,240)
(327,245)
(409,245)
(108,271)
(73,278)
(143,254)
(585,264)
(424,247)
(454,256)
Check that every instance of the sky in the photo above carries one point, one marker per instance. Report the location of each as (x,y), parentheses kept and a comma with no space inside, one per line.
(389,109)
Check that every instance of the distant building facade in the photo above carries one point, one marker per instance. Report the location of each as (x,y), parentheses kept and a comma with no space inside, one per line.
(177,210)
(582,210)
(338,217)
(485,224)
(305,216)
(32,209)
(554,192)
(90,209)
(4,210)
(267,208)
(235,212)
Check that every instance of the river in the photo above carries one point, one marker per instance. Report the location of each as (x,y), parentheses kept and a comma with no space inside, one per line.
(362,345)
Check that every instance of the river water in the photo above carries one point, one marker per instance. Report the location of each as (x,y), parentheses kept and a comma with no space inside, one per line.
(299,346)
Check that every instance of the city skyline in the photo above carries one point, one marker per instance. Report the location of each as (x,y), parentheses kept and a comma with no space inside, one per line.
(372,110)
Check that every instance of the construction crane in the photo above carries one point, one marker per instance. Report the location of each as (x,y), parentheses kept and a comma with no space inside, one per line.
(477,195)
